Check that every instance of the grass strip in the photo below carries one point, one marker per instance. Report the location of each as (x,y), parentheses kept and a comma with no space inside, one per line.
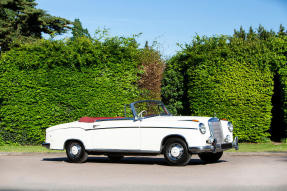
(261,147)
(243,147)
(27,149)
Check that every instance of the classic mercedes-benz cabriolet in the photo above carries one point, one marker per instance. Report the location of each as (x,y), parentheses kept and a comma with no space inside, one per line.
(147,129)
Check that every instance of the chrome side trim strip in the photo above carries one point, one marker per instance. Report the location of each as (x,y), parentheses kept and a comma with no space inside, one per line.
(141,128)
(95,128)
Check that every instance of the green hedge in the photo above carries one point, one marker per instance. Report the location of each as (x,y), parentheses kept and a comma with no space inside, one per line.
(283,101)
(51,82)
(278,129)
(174,86)
(230,77)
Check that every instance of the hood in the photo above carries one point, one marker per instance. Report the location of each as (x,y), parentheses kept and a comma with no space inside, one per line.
(181,118)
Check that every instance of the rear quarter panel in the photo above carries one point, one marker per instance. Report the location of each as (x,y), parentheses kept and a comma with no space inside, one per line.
(57,138)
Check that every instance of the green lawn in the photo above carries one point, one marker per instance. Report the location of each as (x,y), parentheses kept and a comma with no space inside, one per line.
(243,147)
(16,148)
(261,147)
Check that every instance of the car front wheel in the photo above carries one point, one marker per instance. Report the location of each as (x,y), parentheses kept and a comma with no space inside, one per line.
(176,152)
(76,152)
(210,157)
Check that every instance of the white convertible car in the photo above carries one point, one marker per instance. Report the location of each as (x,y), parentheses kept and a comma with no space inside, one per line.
(147,129)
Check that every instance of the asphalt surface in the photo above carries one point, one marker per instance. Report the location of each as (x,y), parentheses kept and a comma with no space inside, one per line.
(235,171)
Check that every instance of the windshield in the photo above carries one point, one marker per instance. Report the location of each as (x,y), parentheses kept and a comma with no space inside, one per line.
(150,109)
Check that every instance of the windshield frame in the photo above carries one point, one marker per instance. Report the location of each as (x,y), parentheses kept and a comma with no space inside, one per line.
(135,114)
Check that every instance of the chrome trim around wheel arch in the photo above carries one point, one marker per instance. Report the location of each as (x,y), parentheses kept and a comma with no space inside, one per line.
(76,140)
(163,141)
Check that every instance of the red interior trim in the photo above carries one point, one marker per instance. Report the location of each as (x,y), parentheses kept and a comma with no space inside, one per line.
(94,119)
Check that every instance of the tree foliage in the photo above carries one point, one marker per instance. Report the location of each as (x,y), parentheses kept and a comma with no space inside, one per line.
(78,30)
(21,21)
(152,67)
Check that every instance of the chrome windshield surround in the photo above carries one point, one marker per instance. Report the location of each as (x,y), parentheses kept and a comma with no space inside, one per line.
(159,103)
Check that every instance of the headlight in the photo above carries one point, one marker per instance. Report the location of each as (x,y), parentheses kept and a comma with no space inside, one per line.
(202,128)
(230,126)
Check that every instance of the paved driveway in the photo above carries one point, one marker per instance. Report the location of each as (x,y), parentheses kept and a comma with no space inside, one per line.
(261,171)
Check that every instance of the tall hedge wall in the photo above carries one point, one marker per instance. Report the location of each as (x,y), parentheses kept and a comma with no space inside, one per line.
(279,100)
(52,82)
(230,77)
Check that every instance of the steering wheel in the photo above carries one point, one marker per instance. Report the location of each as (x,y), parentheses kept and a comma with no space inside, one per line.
(141,113)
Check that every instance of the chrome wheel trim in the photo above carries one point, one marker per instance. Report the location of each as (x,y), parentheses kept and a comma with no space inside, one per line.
(176,151)
(75,150)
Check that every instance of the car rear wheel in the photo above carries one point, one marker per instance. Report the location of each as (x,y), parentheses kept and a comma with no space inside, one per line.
(115,158)
(210,157)
(76,152)
(176,152)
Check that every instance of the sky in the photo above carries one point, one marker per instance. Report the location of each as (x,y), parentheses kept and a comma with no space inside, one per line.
(169,22)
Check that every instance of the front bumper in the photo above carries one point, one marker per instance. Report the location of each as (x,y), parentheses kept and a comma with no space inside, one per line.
(47,145)
(215,147)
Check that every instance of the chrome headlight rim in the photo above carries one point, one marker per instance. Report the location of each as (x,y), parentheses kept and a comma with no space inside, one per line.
(230,126)
(202,128)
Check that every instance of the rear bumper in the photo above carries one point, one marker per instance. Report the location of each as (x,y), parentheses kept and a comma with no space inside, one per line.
(47,145)
(215,147)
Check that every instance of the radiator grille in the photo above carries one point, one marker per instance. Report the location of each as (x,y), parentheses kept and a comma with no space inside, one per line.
(216,129)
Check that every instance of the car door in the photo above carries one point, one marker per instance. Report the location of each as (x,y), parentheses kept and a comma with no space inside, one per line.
(151,135)
(116,135)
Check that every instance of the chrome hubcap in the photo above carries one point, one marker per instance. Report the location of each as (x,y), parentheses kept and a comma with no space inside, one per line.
(75,149)
(175,152)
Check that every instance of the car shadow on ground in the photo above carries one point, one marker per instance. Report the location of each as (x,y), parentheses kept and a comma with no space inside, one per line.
(130,160)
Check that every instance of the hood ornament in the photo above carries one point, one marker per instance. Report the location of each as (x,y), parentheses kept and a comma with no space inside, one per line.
(214,114)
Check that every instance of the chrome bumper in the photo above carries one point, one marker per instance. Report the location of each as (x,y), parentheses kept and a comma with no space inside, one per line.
(47,145)
(215,147)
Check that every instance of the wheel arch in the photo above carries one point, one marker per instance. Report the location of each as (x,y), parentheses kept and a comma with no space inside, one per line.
(70,140)
(171,136)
